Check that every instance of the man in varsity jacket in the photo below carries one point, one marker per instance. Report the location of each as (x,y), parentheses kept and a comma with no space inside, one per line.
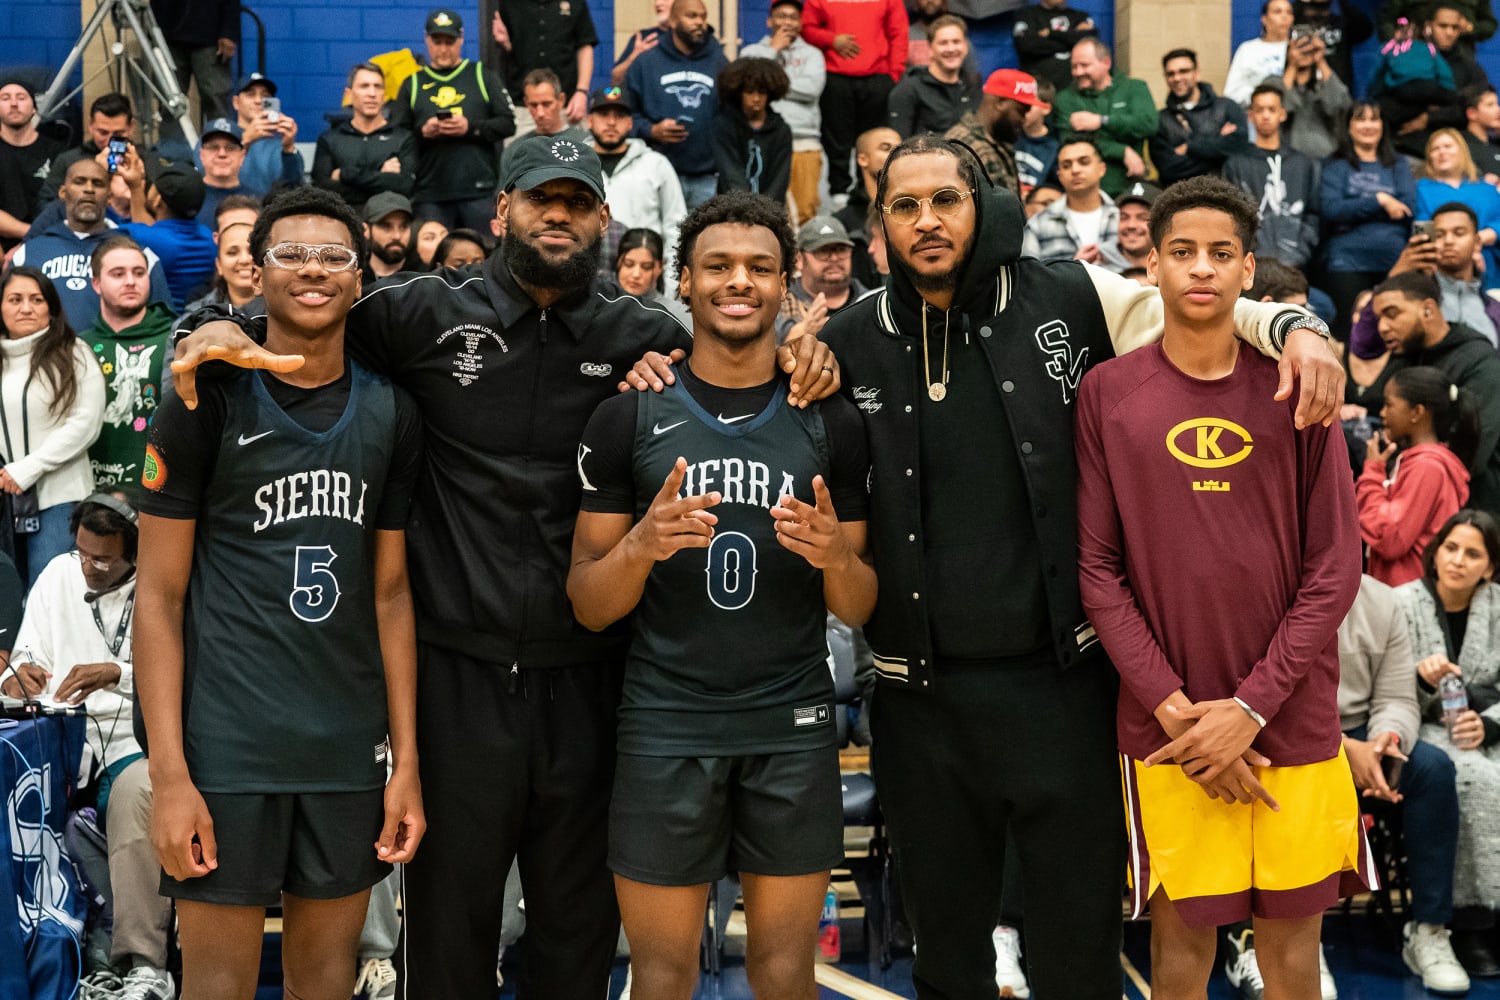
(996,712)
(276,666)
(459,112)
(726,522)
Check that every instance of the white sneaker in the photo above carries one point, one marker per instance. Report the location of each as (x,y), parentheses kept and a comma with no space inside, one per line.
(1241,968)
(1325,977)
(104,984)
(146,983)
(1010,975)
(1427,953)
(377,979)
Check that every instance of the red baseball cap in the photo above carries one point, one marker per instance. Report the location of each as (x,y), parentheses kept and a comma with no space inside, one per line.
(1016,85)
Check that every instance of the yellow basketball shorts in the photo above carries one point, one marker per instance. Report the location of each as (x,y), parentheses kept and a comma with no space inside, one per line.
(1221,862)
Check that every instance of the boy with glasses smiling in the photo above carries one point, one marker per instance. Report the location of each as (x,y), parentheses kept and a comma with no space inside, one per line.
(276,619)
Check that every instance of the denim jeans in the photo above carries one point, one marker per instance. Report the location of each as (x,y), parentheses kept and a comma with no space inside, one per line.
(1429,817)
(36,550)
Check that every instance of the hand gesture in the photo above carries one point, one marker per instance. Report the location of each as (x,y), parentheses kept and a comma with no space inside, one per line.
(1420,254)
(817,314)
(286,127)
(1394,207)
(8,483)
(1134,165)
(675,523)
(225,49)
(578,106)
(1366,762)
(392,165)
(1307,356)
(86,678)
(669,130)
(846,46)
(1221,732)
(405,822)
(813,369)
(812,530)
(218,341)
(498,30)
(1379,449)
(182,831)
(645,41)
(1239,784)
(653,372)
(1089,253)
(1085,121)
(1435,667)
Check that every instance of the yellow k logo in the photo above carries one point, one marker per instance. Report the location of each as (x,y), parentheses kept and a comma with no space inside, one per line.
(1208,443)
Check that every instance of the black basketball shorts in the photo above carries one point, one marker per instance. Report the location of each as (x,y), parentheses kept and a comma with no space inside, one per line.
(692,820)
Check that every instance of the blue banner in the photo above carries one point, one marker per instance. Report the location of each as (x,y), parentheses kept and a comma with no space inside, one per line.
(41,906)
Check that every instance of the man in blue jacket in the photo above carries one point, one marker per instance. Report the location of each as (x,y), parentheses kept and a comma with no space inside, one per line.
(673,88)
(62,251)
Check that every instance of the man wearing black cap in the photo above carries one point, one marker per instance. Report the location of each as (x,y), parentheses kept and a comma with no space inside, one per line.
(387,218)
(173,198)
(459,112)
(25,159)
(366,155)
(1133,228)
(268,135)
(640,184)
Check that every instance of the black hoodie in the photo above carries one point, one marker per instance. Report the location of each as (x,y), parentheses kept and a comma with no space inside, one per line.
(1469,360)
(758,160)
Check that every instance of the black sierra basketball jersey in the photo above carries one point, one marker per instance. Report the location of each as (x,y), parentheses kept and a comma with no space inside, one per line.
(729,655)
(284,684)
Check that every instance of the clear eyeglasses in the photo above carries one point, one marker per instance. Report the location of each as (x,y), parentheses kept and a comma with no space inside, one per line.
(945,204)
(291,256)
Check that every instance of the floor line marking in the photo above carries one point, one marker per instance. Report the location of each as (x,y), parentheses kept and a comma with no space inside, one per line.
(849,985)
(1135,977)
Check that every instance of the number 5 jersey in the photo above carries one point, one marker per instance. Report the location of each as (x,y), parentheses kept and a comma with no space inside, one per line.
(284,684)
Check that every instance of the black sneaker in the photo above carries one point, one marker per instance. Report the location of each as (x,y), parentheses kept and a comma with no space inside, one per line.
(1472,948)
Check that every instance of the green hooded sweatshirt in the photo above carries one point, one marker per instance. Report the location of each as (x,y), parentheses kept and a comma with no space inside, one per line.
(131,360)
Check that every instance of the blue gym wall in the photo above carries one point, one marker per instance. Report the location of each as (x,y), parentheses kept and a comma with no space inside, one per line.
(312,43)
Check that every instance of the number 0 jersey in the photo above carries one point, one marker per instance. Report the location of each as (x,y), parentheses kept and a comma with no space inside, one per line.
(728,654)
(284,683)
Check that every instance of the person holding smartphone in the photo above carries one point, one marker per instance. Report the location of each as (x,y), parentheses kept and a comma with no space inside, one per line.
(269,136)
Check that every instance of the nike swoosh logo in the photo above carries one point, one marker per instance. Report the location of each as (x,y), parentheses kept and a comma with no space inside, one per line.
(734,420)
(247,440)
(659,429)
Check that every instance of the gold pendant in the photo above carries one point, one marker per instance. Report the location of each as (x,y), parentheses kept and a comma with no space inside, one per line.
(936,391)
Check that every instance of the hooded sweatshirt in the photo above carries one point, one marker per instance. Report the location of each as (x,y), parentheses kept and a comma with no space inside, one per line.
(882,27)
(1401,509)
(1285,184)
(665,82)
(923,103)
(758,160)
(131,361)
(1200,127)
(63,255)
(807,74)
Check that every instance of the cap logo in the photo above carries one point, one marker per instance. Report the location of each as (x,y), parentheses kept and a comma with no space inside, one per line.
(565,151)
(612,93)
(825,229)
(1137,190)
(442,20)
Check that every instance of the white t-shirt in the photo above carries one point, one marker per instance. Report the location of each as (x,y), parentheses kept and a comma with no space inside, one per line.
(1086,225)
(1253,61)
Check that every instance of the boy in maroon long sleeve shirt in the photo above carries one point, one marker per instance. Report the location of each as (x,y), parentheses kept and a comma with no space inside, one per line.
(1219,552)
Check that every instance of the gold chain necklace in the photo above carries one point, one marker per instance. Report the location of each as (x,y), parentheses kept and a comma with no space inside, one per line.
(936,391)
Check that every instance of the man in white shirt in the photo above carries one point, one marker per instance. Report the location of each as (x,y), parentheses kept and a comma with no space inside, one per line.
(1084,223)
(639,183)
(74,645)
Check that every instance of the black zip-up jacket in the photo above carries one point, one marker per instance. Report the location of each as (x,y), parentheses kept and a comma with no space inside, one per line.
(1469,360)
(505,389)
(1199,126)
(1047,57)
(358,156)
(456,168)
(923,103)
(1040,326)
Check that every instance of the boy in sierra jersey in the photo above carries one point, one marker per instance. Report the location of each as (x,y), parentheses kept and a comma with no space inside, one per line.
(726,521)
(276,633)
(1218,554)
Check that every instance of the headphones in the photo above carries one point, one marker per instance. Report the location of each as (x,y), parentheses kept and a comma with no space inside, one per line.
(115,504)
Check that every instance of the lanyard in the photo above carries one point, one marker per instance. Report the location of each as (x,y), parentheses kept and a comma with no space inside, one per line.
(125,615)
(10,454)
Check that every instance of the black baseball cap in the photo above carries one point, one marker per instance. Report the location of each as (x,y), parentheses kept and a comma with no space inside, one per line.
(384,204)
(181,188)
(610,97)
(443,21)
(536,159)
(1141,191)
(223,126)
(249,80)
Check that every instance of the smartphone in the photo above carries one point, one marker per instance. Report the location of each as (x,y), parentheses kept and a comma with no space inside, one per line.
(1427,228)
(1392,768)
(443,113)
(1301,31)
(118,147)
(272,107)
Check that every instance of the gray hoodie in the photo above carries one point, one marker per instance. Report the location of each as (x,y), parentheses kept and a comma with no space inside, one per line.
(805,69)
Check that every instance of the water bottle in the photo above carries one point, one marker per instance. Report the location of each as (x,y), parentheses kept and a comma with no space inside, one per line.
(1455,699)
(830,948)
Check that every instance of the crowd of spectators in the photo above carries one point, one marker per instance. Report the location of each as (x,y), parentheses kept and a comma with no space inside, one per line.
(1380,213)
